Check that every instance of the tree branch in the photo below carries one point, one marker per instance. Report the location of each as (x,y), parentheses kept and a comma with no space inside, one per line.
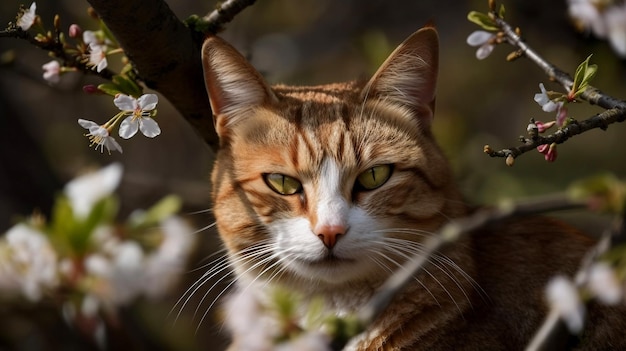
(224,13)
(166,53)
(601,120)
(615,108)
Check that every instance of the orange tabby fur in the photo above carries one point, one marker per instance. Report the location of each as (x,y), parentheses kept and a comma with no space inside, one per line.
(483,293)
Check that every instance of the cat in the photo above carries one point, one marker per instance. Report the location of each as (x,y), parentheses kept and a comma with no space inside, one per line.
(326,190)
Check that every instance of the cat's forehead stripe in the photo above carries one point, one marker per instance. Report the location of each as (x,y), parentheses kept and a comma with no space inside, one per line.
(316,96)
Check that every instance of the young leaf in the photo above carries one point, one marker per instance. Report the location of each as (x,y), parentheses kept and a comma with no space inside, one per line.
(482,20)
(584,74)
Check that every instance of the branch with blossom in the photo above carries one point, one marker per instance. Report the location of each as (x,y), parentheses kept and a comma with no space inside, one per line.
(152,66)
(86,262)
(74,57)
(497,31)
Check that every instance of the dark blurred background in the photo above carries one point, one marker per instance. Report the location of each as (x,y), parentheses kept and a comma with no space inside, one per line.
(293,42)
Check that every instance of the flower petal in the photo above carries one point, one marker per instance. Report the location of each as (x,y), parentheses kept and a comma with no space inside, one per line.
(149,127)
(125,102)
(563,296)
(479,37)
(148,102)
(28,18)
(111,143)
(484,51)
(87,124)
(550,106)
(84,191)
(128,128)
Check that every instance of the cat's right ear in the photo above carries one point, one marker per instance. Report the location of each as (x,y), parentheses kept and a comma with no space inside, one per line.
(233,85)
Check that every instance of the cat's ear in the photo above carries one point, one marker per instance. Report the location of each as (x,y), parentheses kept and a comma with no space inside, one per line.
(409,75)
(233,85)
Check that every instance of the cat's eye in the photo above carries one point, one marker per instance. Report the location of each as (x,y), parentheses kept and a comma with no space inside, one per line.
(374,177)
(282,184)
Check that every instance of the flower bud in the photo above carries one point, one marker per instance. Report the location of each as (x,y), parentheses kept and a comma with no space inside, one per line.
(92,90)
(510,160)
(75,31)
(542,127)
(92,13)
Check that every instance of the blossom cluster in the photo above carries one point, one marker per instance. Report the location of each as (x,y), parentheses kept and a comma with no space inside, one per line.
(565,296)
(606,19)
(103,265)
(138,113)
(93,48)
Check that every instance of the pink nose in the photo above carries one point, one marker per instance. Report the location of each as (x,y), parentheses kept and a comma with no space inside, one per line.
(329,234)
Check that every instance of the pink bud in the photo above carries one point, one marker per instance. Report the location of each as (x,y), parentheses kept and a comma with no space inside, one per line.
(561,115)
(92,90)
(542,127)
(550,156)
(75,31)
(543,148)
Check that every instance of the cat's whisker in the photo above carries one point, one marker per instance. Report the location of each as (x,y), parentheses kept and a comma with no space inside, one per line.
(224,265)
(268,248)
(402,251)
(405,244)
(219,265)
(206,227)
(400,266)
(193,213)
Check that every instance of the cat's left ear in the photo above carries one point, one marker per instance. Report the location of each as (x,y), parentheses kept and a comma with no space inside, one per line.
(409,75)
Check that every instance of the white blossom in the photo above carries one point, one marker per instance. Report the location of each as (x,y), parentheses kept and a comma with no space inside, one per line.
(605,19)
(27,19)
(99,136)
(563,297)
(52,71)
(84,191)
(484,41)
(604,284)
(98,57)
(308,341)
(615,19)
(140,111)
(28,264)
(167,262)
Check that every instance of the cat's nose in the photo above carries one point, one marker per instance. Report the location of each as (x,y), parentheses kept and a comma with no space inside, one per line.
(329,234)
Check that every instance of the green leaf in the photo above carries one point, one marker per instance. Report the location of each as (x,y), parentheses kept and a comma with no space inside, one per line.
(482,20)
(166,207)
(501,12)
(109,89)
(127,86)
(584,73)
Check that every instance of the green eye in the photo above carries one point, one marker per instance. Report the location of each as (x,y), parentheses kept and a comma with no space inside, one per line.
(282,184)
(374,177)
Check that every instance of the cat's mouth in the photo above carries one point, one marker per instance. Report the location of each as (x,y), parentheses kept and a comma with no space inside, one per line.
(329,259)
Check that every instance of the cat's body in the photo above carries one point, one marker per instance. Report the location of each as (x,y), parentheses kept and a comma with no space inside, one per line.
(326,190)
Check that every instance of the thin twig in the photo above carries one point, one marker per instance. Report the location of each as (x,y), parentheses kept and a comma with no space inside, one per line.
(615,108)
(224,13)
(55,47)
(601,120)
(591,94)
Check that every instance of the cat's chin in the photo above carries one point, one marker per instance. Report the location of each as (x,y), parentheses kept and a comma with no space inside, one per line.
(330,269)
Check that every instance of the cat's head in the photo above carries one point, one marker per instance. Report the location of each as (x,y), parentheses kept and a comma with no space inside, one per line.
(327,184)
